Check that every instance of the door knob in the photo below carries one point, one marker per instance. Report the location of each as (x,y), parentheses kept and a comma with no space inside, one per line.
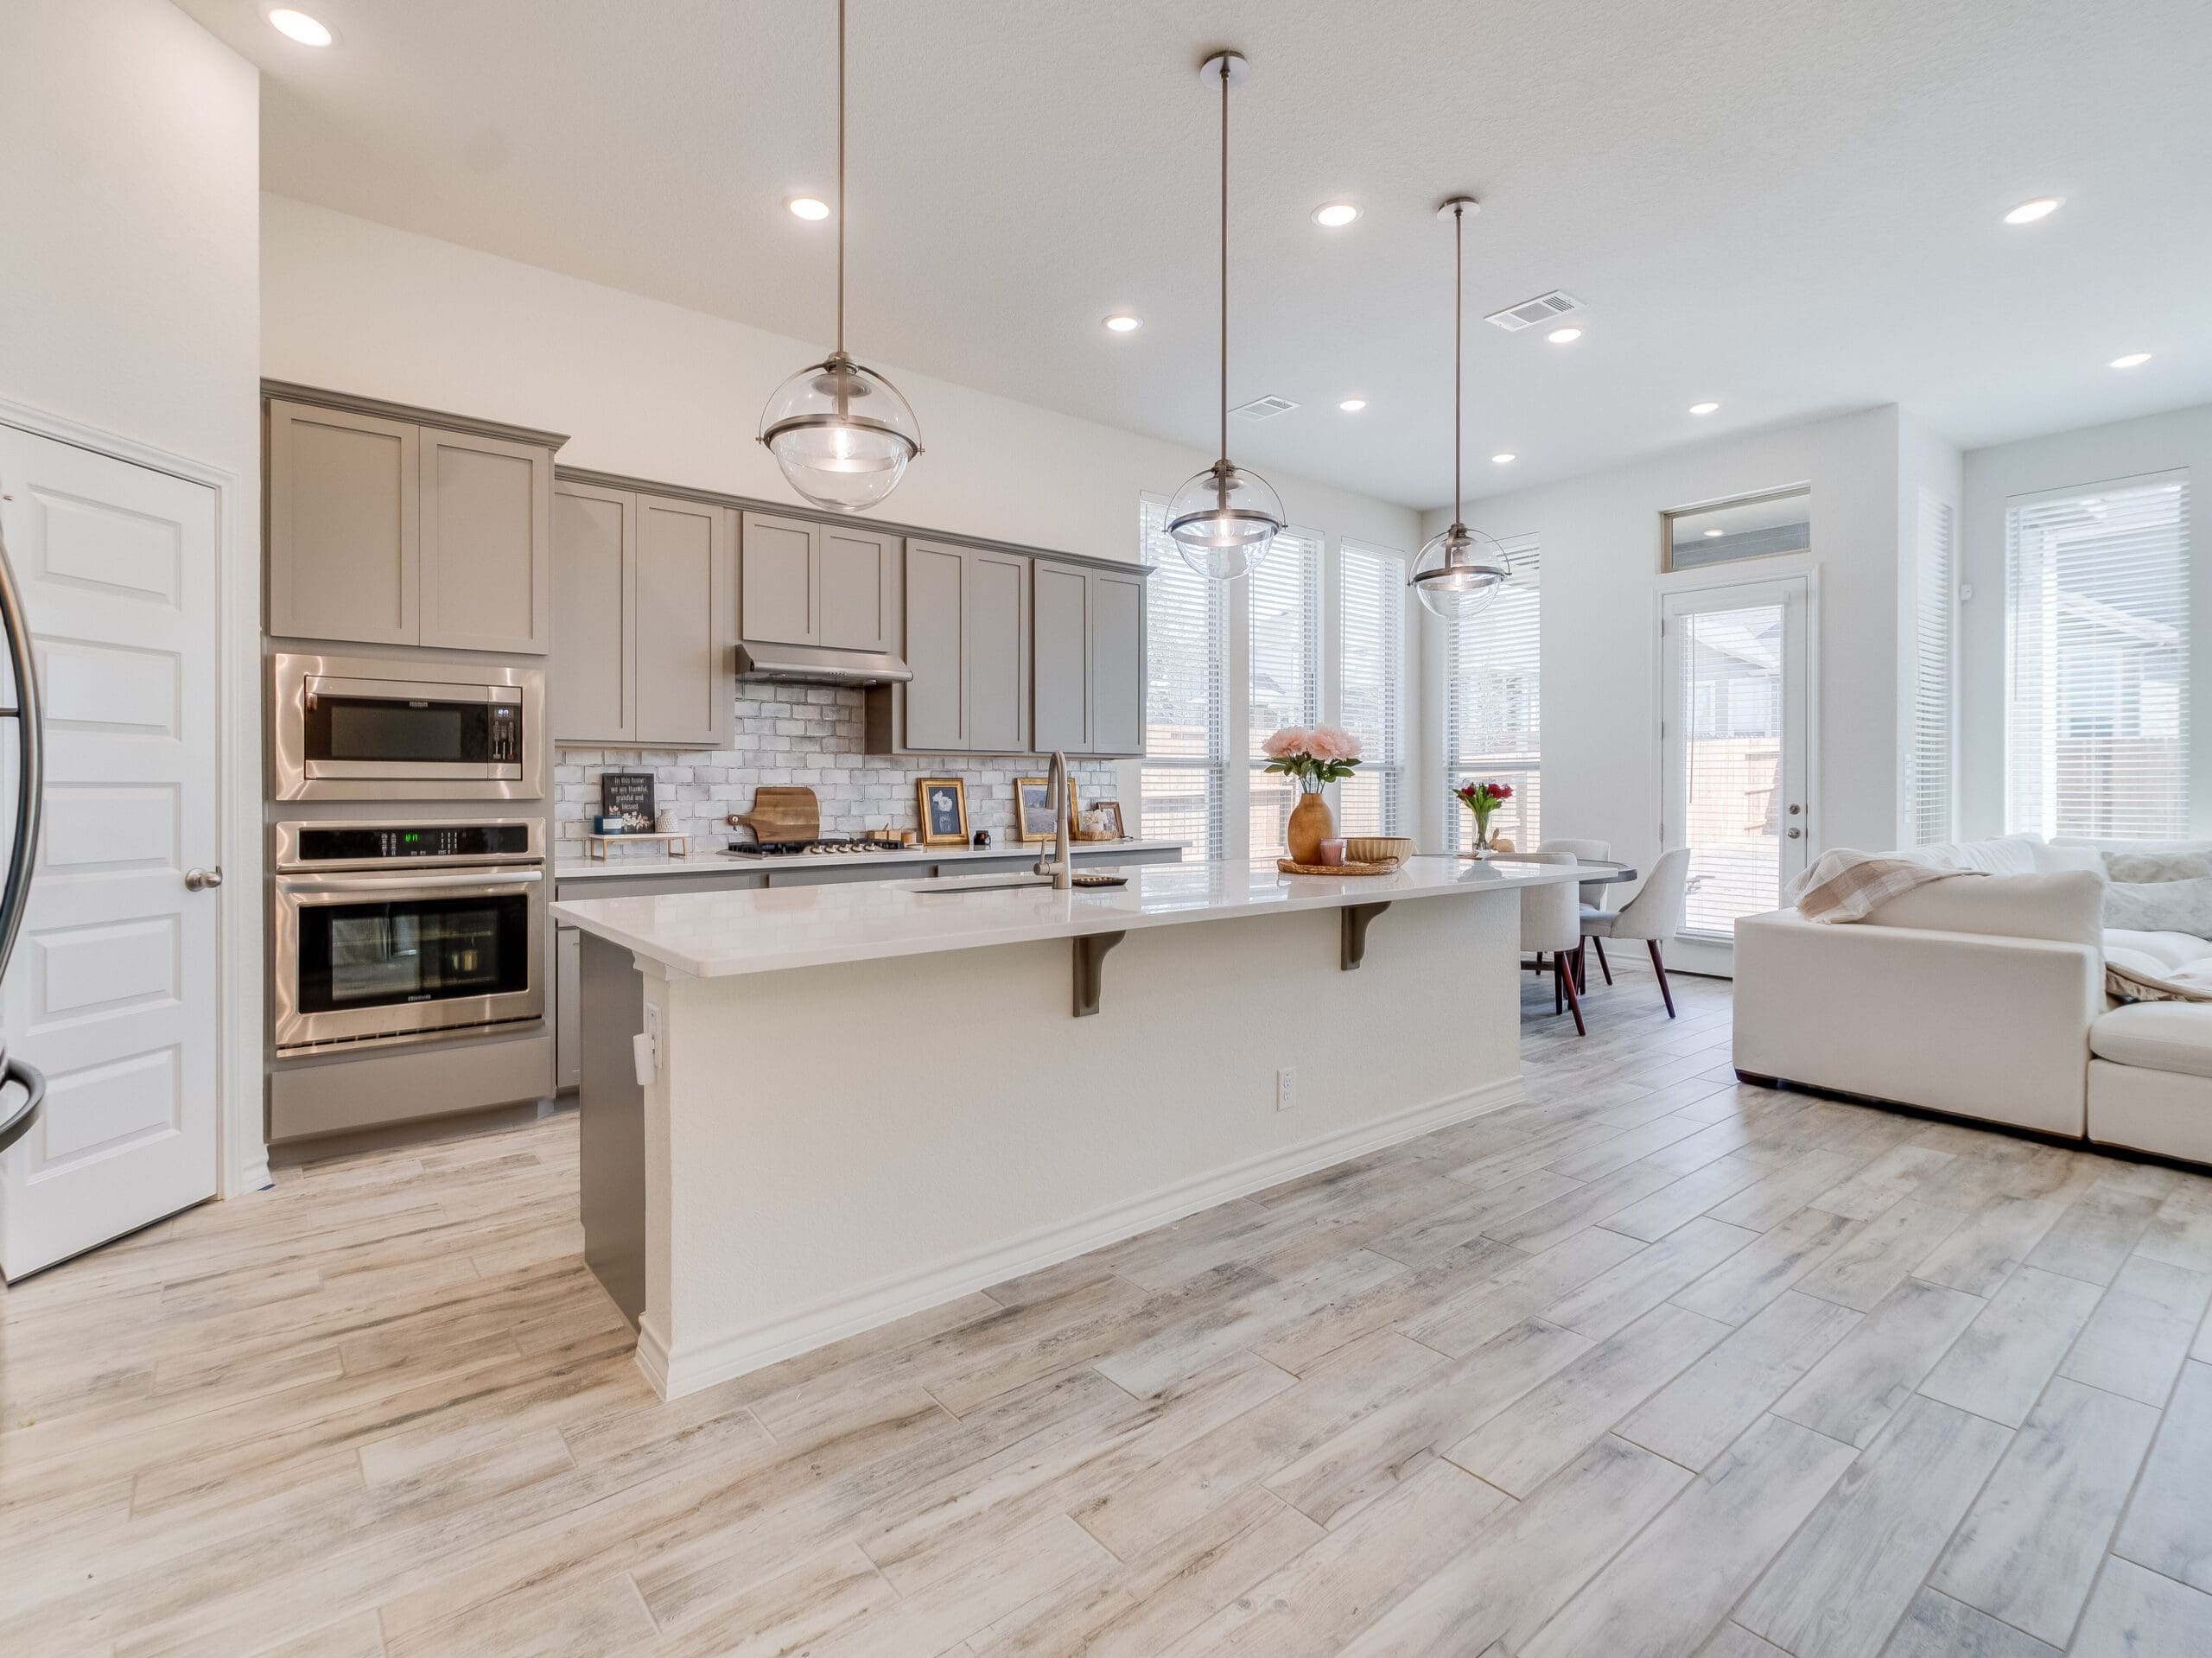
(1794,832)
(202,880)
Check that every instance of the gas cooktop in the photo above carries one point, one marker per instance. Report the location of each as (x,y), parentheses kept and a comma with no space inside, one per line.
(826,846)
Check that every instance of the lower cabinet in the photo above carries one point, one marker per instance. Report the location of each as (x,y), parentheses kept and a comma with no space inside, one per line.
(567,1007)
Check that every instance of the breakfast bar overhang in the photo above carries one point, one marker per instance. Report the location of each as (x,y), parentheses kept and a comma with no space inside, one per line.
(855,1102)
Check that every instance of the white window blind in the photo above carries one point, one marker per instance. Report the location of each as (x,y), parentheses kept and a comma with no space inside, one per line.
(1492,713)
(1371,611)
(1929,763)
(1186,694)
(2097,610)
(1283,597)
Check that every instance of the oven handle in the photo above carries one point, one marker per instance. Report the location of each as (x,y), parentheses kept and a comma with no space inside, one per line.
(488,882)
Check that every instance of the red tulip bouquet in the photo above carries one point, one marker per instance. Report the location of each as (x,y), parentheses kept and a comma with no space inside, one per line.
(1483,798)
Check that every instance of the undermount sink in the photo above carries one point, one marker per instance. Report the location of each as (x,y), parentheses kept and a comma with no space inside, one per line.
(975,883)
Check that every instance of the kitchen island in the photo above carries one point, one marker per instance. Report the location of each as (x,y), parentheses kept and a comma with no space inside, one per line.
(861,1100)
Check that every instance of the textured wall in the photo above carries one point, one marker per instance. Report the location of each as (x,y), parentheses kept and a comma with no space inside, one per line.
(809,735)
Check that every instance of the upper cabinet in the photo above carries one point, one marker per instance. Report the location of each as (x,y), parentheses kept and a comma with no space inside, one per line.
(827,585)
(1088,696)
(388,527)
(644,603)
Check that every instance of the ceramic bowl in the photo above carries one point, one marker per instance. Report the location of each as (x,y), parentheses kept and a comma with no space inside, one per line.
(1378,849)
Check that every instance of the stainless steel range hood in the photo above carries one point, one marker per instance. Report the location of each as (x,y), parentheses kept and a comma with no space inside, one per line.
(810,665)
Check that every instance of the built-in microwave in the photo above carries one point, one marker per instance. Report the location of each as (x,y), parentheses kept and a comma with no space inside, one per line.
(360,728)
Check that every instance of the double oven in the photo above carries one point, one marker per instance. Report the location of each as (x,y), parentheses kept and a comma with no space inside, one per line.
(408,880)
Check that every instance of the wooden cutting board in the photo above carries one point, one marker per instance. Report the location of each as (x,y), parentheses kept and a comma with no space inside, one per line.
(781,813)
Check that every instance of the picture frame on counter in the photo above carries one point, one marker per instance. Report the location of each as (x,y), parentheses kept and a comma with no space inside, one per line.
(625,803)
(1033,819)
(941,805)
(1101,821)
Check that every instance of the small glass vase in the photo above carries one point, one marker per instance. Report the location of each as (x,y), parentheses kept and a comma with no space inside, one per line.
(1483,840)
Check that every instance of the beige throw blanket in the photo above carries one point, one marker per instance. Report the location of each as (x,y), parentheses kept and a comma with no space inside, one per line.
(1847,886)
(2131,976)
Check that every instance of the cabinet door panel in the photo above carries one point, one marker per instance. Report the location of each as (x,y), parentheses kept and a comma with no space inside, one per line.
(486,543)
(593,603)
(997,622)
(680,652)
(1060,716)
(779,581)
(857,585)
(937,696)
(1116,663)
(343,527)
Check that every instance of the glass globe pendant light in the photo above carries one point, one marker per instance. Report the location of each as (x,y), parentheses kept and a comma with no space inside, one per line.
(1225,520)
(1459,570)
(842,432)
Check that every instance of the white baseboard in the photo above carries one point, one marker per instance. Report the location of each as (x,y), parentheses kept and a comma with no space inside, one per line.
(687,1370)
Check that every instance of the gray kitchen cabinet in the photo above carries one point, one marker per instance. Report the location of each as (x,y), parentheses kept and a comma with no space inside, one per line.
(936,698)
(685,688)
(829,585)
(643,620)
(1088,686)
(387,525)
(567,1007)
(486,543)
(343,531)
(593,613)
(1061,696)
(995,642)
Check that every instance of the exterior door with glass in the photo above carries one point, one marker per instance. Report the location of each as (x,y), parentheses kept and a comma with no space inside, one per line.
(1733,741)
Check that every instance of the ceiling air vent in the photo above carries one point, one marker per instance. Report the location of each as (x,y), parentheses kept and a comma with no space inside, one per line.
(1529,312)
(1264,407)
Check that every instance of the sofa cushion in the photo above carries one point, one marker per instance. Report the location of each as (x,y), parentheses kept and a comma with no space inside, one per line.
(2182,906)
(2168,949)
(2157,1035)
(2055,855)
(2064,907)
(2191,864)
(2010,854)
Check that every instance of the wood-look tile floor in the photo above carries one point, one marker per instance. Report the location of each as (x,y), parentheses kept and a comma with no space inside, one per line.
(1654,1364)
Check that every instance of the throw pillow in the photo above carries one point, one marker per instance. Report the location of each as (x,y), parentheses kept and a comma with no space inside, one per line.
(2192,864)
(2160,905)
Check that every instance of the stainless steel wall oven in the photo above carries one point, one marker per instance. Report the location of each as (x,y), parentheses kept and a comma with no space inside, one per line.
(395,931)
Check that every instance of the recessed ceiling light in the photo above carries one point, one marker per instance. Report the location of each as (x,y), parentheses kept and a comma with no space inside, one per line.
(1703,408)
(1352,405)
(1335,215)
(808,207)
(298,26)
(2028,211)
(1710,534)
(2133,359)
(1505,459)
(1564,336)
(1122,322)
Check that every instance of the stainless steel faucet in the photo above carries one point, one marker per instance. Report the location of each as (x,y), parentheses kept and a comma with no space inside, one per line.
(1060,866)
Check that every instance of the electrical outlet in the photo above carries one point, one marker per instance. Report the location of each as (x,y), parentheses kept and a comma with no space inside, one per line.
(1286,1087)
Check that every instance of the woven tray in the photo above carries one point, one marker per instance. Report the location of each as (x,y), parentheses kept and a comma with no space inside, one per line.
(1290,868)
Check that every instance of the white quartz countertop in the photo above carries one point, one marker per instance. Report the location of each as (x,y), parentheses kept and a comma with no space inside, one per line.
(723,863)
(723,934)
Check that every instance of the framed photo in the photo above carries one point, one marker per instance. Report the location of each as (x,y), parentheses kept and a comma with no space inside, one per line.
(942,804)
(1033,818)
(1112,811)
(627,796)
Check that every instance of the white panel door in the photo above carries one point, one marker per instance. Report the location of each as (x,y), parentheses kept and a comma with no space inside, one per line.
(1733,739)
(114,991)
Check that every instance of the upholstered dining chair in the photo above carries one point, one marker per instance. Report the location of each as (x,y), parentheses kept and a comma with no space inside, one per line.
(1654,913)
(1593,892)
(1551,926)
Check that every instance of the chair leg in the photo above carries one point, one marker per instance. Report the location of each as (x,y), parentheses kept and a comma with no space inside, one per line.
(1659,967)
(1581,970)
(1558,973)
(1604,966)
(1573,997)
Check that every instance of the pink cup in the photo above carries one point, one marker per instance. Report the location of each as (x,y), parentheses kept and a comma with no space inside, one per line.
(1333,854)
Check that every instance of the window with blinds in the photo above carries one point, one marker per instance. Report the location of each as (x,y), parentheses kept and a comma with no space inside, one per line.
(1928,762)
(1371,611)
(1729,669)
(2096,739)
(1492,713)
(1283,600)
(1184,775)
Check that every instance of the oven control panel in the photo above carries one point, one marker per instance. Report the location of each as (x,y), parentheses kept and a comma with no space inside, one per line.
(356,845)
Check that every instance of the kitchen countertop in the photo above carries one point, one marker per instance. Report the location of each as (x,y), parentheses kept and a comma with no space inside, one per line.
(722,934)
(717,863)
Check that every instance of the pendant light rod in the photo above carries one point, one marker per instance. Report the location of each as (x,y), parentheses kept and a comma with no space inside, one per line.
(841,177)
(1459,207)
(1226,60)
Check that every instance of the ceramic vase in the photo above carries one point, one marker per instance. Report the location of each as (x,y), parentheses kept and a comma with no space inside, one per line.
(1310,825)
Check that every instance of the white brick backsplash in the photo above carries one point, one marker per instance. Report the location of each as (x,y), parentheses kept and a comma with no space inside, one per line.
(812,736)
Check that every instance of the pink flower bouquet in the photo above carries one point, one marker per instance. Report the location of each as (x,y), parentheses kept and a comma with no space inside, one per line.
(1322,755)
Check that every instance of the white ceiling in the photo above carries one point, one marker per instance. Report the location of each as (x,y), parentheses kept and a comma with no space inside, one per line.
(1789,206)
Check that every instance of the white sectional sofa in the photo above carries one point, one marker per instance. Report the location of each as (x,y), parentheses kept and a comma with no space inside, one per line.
(1984,998)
